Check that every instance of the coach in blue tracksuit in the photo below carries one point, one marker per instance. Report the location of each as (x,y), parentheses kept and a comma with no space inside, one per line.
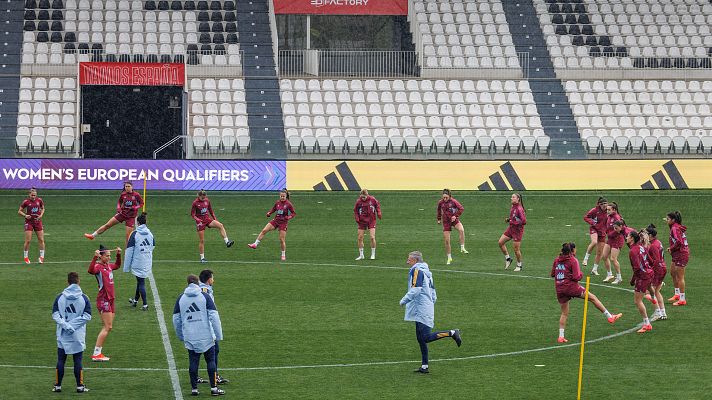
(197,324)
(71,311)
(206,285)
(139,258)
(419,304)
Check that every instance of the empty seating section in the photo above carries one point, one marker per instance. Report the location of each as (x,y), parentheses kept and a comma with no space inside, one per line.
(643,116)
(218,115)
(627,33)
(398,116)
(46,115)
(463,34)
(68,31)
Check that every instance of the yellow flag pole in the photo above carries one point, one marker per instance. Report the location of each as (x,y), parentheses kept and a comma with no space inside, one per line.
(583,337)
(144,191)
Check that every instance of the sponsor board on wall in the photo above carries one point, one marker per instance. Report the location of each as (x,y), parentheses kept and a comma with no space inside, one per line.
(500,175)
(342,7)
(131,74)
(160,174)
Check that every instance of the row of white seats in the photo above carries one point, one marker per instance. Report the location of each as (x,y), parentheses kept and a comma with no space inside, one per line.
(223,96)
(476,7)
(104,4)
(640,98)
(85,15)
(40,107)
(47,95)
(217,84)
(72,58)
(472,62)
(39,138)
(425,97)
(404,109)
(650,122)
(649,144)
(414,144)
(434,121)
(44,83)
(477,31)
(635,110)
(457,39)
(639,86)
(403,85)
(49,120)
(460,17)
(419,132)
(645,132)
(224,121)
(222,109)
(468,51)
(221,139)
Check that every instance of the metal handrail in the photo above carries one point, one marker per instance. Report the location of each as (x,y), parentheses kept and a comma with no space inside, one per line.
(168,143)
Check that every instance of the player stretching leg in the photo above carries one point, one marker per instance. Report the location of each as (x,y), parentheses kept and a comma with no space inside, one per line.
(204,217)
(126,210)
(284,212)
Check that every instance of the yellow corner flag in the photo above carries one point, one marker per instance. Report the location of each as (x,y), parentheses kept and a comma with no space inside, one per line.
(583,337)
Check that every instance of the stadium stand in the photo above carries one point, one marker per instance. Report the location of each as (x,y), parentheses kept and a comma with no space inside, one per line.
(46,114)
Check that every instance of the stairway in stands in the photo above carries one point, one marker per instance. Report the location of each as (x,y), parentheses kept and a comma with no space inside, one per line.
(553,106)
(10,74)
(267,140)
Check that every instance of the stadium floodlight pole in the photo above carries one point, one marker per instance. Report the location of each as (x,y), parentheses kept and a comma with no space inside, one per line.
(583,337)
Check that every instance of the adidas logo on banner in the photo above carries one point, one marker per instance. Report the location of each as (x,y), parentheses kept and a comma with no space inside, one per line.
(676,180)
(335,184)
(499,181)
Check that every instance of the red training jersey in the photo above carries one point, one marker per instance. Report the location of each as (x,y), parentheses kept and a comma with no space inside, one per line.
(639,261)
(565,270)
(104,274)
(129,204)
(610,230)
(201,209)
(678,241)
(517,216)
(448,209)
(596,218)
(284,211)
(33,207)
(367,210)
(656,255)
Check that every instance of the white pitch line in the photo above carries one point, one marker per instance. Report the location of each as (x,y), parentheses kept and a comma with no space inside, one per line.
(368,364)
(172,370)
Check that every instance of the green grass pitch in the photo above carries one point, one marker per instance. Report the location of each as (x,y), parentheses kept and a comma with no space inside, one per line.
(295,329)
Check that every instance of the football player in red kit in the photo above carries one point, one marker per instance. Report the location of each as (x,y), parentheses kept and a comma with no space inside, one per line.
(516,220)
(680,252)
(104,273)
(642,275)
(614,243)
(596,219)
(448,214)
(567,274)
(204,217)
(126,210)
(32,209)
(366,210)
(284,211)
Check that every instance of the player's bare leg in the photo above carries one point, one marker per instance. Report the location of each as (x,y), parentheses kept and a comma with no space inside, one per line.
(41,245)
(593,244)
(201,246)
(518,253)
(111,222)
(616,265)
(599,251)
(607,263)
(562,322)
(283,244)
(638,297)
(599,305)
(503,247)
(372,233)
(660,311)
(261,236)
(26,246)
(129,229)
(359,243)
(107,318)
(681,285)
(218,225)
(675,283)
(448,251)
(461,231)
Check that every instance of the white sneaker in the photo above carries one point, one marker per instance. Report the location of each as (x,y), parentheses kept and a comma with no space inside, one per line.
(449,261)
(655,317)
(373,257)
(359,258)
(585,262)
(616,281)
(594,272)
(507,263)
(518,268)
(464,251)
(609,278)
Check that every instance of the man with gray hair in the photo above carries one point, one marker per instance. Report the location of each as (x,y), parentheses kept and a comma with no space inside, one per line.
(419,304)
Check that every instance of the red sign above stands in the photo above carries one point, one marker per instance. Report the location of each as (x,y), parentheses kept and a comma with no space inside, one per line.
(342,7)
(131,74)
